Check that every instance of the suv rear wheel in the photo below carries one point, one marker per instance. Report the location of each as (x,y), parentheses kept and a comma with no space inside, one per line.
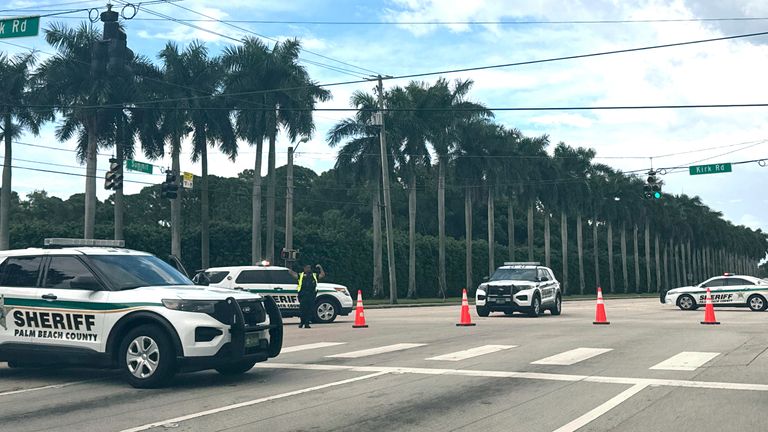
(326,311)
(557,308)
(147,357)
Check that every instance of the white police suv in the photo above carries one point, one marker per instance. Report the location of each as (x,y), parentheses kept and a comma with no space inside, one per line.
(277,283)
(519,286)
(106,306)
(727,290)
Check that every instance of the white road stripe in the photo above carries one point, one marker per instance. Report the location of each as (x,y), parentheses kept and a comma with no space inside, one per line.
(472,352)
(524,375)
(379,350)
(309,347)
(686,361)
(250,403)
(48,387)
(572,357)
(602,409)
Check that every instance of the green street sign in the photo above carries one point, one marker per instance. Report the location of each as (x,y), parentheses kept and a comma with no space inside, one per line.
(19,27)
(710,169)
(133,165)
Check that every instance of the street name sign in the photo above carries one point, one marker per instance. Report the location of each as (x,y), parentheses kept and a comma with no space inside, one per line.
(133,165)
(710,169)
(19,27)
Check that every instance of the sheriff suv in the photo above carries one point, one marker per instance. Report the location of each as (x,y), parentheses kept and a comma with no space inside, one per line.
(276,282)
(727,290)
(519,286)
(105,306)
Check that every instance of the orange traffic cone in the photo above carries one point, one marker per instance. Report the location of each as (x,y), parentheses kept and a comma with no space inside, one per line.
(359,314)
(709,311)
(600,317)
(465,320)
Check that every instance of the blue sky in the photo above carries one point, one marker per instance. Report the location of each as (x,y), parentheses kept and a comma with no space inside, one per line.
(721,72)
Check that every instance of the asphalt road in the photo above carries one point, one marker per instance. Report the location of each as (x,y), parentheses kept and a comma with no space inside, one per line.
(654,368)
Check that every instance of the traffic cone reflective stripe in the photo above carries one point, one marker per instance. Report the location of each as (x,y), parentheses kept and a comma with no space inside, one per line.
(709,310)
(359,314)
(600,317)
(465,320)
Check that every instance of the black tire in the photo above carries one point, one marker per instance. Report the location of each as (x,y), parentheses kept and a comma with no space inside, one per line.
(557,309)
(236,368)
(483,311)
(757,303)
(509,313)
(535,309)
(326,311)
(159,360)
(662,295)
(687,303)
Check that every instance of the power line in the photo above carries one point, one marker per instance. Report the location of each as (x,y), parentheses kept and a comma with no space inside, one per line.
(50,4)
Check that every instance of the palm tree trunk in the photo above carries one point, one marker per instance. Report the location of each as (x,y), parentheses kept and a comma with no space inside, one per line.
(271,188)
(547,251)
(666,269)
(442,284)
(468,235)
(610,256)
(90,179)
(658,265)
(5,192)
(176,204)
(673,265)
(119,208)
(683,265)
(378,264)
(596,251)
(696,265)
(256,251)
(624,256)
(491,232)
(511,230)
(204,211)
(564,242)
(530,232)
(691,271)
(580,247)
(648,281)
(637,263)
(412,239)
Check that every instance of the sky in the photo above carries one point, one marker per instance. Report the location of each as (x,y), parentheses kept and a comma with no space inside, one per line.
(724,72)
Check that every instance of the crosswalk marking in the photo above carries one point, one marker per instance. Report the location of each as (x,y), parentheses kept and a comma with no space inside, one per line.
(472,352)
(685,361)
(310,346)
(572,357)
(379,350)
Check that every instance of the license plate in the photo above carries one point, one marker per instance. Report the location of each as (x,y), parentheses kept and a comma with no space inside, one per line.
(251,340)
(501,300)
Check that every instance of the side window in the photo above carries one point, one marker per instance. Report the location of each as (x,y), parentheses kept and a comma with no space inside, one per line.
(282,277)
(63,270)
(253,277)
(738,282)
(216,276)
(550,275)
(20,272)
(541,274)
(714,283)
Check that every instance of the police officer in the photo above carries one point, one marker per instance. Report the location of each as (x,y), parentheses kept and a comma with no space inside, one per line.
(307,283)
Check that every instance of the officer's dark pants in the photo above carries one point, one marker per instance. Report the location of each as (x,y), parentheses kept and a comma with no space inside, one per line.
(306,306)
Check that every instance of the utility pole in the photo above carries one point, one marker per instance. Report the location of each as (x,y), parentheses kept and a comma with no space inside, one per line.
(387,200)
(289,198)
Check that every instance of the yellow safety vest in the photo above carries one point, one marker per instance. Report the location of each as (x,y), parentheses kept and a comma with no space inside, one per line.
(301,279)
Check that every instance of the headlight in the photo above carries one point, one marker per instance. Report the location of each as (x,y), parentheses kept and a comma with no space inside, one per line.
(201,306)
(342,290)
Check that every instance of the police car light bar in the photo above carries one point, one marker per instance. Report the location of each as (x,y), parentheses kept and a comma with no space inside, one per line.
(522,263)
(727,274)
(73,242)
(265,263)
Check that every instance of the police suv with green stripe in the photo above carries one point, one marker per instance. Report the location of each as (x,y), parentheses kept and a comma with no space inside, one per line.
(276,282)
(105,306)
(727,290)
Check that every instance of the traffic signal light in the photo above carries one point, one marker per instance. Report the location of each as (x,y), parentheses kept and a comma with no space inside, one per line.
(111,54)
(652,187)
(113,179)
(170,187)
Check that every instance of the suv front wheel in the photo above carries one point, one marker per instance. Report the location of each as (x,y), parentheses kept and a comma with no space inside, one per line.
(147,357)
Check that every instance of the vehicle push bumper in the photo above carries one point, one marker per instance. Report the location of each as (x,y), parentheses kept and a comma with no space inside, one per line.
(505,298)
(246,338)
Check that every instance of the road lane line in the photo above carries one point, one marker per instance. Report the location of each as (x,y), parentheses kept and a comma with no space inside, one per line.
(472,352)
(602,409)
(685,361)
(311,346)
(652,382)
(572,357)
(251,403)
(379,350)
(48,387)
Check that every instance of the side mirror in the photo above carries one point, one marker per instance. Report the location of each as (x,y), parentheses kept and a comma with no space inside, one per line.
(544,279)
(486,278)
(85,282)
(201,279)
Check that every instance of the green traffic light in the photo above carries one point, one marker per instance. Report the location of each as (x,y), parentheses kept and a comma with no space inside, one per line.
(657,195)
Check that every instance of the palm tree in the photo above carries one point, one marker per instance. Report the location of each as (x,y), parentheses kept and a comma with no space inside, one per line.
(16,117)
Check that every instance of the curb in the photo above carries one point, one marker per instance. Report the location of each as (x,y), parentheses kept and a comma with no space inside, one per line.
(458,303)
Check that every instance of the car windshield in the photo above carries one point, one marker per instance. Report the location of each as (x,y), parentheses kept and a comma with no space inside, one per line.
(517,274)
(133,271)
